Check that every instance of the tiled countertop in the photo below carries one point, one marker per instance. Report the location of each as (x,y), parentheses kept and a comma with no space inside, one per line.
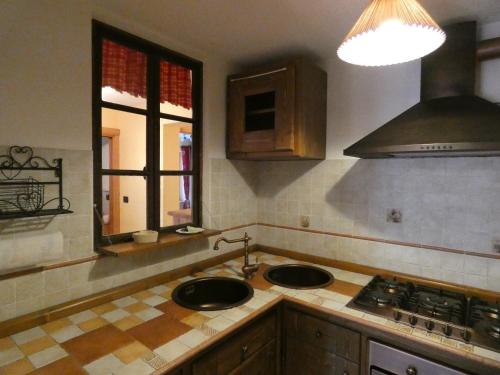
(147,332)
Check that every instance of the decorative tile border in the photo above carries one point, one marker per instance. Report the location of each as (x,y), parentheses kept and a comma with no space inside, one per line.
(387,241)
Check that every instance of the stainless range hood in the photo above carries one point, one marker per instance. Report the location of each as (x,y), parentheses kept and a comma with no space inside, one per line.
(449,120)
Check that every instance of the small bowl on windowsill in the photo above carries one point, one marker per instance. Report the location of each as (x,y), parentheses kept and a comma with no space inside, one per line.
(145,236)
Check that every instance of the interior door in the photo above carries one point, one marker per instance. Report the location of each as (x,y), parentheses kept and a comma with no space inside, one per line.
(261,112)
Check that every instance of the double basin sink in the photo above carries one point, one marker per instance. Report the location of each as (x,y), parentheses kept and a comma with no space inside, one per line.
(220,293)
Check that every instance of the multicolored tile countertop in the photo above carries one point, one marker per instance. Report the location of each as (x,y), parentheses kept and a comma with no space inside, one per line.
(147,332)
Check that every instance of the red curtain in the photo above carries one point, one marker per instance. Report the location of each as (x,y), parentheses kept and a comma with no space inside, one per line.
(186,165)
(124,70)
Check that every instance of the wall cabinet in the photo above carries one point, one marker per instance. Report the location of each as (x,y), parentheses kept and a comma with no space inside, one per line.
(277,113)
(315,346)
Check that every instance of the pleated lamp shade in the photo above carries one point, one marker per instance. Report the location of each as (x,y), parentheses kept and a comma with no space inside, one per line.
(391,32)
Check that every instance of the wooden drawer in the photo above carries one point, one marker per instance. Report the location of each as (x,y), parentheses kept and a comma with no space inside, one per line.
(304,359)
(331,337)
(234,352)
(261,363)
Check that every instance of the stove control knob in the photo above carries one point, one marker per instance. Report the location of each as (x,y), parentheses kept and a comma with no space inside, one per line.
(412,319)
(447,330)
(429,325)
(466,335)
(397,315)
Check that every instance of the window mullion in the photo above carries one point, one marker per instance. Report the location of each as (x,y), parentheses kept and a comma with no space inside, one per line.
(153,142)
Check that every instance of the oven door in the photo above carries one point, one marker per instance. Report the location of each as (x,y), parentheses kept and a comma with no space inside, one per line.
(375,371)
(385,360)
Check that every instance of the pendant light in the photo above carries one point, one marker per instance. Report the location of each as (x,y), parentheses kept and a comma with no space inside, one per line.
(391,32)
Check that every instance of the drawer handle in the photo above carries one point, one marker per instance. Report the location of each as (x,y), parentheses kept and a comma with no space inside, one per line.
(411,370)
(318,334)
(244,351)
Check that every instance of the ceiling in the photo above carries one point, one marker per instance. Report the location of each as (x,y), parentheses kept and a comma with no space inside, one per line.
(247,30)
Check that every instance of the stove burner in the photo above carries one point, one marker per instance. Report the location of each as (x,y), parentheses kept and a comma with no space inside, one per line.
(494,331)
(391,286)
(436,307)
(380,298)
(492,312)
(437,301)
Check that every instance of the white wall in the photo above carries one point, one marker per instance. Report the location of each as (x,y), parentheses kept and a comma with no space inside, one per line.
(45,70)
(45,102)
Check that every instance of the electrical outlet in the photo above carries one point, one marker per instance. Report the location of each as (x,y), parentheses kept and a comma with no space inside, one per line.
(305,221)
(394,215)
(496,244)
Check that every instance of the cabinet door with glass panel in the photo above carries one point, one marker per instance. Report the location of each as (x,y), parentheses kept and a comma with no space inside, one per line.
(261,111)
(277,112)
(147,128)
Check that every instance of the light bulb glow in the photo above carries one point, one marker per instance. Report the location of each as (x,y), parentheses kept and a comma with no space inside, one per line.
(390,40)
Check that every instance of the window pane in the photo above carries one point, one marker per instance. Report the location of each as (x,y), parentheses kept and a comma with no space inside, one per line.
(123,140)
(176,200)
(175,90)
(176,145)
(123,204)
(123,75)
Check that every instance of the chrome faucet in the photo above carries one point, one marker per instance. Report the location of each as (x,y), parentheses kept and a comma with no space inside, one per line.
(248,269)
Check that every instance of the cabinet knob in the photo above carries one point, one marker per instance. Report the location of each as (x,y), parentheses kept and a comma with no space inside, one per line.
(318,333)
(411,370)
(244,350)
(345,372)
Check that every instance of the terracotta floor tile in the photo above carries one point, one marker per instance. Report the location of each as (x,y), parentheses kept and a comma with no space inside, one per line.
(6,343)
(343,287)
(21,367)
(64,366)
(158,331)
(195,320)
(143,294)
(56,325)
(37,345)
(128,322)
(136,307)
(131,352)
(95,344)
(174,310)
(103,309)
(92,324)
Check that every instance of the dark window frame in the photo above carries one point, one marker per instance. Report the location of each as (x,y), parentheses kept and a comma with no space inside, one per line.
(152,172)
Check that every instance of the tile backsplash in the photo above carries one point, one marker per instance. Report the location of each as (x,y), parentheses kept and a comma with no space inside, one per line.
(450,203)
(225,205)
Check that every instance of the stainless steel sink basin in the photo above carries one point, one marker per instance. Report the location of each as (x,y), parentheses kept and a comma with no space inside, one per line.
(298,276)
(212,293)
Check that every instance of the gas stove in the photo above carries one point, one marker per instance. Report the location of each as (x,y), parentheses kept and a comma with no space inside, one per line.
(438,311)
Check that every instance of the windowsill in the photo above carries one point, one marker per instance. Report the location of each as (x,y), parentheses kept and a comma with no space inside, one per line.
(164,240)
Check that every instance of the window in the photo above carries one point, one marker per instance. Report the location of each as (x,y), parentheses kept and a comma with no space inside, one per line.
(146,136)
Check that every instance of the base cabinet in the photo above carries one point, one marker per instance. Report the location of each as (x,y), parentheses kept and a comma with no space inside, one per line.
(261,363)
(315,346)
(252,352)
(302,358)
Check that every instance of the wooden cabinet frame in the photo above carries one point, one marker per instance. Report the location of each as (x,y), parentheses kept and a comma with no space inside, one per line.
(299,130)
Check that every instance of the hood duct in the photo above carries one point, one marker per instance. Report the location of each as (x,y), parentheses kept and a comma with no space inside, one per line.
(449,120)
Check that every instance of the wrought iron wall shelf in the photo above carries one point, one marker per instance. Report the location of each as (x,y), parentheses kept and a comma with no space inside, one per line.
(22,195)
